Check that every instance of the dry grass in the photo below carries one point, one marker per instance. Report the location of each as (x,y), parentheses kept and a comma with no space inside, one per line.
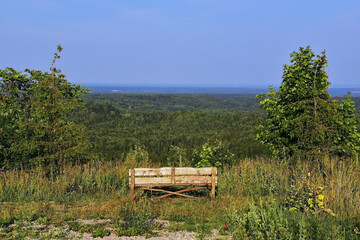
(100,191)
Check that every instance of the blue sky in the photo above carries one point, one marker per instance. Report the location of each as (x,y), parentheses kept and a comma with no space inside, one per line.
(179,42)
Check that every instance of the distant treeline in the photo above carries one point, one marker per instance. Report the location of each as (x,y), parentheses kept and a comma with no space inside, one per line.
(117,122)
(172,102)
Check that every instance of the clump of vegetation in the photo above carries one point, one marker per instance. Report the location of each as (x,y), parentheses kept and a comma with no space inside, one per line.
(131,223)
(271,220)
(303,122)
(212,154)
(35,130)
(252,182)
(177,157)
(100,232)
(6,218)
(307,199)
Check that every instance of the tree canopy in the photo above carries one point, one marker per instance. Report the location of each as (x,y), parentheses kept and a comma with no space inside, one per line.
(303,121)
(34,127)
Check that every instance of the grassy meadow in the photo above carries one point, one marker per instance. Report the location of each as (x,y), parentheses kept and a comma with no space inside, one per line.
(256,199)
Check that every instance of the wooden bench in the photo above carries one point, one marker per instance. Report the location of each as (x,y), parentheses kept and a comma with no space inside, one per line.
(149,178)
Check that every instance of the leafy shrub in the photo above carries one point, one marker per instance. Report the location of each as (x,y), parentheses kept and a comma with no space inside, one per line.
(138,154)
(213,154)
(307,198)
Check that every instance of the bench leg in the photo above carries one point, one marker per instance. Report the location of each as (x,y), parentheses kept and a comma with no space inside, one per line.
(132,185)
(213,184)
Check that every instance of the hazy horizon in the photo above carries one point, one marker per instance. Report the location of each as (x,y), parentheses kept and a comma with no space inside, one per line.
(188,42)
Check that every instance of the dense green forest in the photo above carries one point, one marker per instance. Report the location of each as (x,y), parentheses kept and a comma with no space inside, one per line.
(115,123)
(174,102)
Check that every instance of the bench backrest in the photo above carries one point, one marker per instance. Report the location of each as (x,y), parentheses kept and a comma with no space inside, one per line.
(173,176)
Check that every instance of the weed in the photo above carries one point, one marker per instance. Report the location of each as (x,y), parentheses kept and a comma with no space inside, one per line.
(175,227)
(178,218)
(88,228)
(131,223)
(6,218)
(203,230)
(100,232)
(74,226)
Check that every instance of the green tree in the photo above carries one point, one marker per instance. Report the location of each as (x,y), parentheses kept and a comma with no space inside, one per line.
(302,119)
(35,127)
(177,157)
(13,98)
(213,154)
(138,154)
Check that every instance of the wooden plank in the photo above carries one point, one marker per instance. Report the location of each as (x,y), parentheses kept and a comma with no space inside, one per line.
(171,185)
(172,193)
(152,180)
(179,180)
(192,179)
(166,171)
(180,191)
(213,183)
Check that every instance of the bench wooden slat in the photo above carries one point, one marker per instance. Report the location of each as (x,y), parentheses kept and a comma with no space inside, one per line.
(166,171)
(147,178)
(178,181)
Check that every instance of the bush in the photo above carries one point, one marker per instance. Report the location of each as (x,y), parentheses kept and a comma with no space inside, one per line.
(274,221)
(213,154)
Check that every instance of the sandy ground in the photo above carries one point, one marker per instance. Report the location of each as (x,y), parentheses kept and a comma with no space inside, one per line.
(162,234)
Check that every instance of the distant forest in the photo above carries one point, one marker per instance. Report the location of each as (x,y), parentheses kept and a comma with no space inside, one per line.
(117,122)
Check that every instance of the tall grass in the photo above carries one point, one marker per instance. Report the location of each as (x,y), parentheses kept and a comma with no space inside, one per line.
(251,179)
(254,189)
(259,178)
(71,183)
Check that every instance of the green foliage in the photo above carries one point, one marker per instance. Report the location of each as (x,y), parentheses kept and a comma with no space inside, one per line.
(6,218)
(114,129)
(74,226)
(140,103)
(35,130)
(302,119)
(212,154)
(138,154)
(100,232)
(272,221)
(203,229)
(131,223)
(307,198)
(177,157)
